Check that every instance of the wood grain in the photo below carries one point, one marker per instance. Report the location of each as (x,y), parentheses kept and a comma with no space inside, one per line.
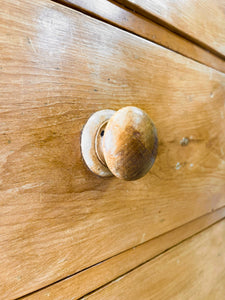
(130,143)
(195,269)
(124,18)
(59,66)
(93,278)
(202,21)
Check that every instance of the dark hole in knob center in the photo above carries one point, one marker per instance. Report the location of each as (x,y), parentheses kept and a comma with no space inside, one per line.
(102,133)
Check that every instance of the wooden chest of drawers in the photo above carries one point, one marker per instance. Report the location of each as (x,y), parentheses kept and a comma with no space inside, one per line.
(65,232)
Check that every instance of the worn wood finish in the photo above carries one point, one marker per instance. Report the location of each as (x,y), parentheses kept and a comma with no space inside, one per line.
(130,143)
(122,143)
(124,18)
(57,67)
(194,269)
(89,280)
(202,21)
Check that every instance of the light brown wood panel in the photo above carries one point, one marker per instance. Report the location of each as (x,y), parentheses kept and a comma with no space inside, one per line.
(202,21)
(89,280)
(195,269)
(59,66)
(126,19)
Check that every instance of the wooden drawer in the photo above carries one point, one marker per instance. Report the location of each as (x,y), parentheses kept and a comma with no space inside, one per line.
(117,267)
(59,66)
(140,18)
(202,21)
(184,272)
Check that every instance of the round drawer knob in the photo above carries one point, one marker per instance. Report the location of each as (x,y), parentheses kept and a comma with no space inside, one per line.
(122,143)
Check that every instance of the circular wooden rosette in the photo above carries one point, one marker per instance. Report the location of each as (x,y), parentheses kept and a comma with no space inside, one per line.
(88,142)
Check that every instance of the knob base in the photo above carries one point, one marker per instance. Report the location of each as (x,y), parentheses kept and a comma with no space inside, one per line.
(91,136)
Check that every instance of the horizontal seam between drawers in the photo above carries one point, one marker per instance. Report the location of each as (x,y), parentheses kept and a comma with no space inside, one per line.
(218,219)
(172,28)
(94,15)
(152,258)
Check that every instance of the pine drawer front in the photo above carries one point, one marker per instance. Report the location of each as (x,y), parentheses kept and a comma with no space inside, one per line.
(58,67)
(201,21)
(192,270)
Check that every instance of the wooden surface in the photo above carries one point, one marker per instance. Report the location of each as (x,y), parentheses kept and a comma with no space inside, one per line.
(59,66)
(118,15)
(93,278)
(195,269)
(202,21)
(130,143)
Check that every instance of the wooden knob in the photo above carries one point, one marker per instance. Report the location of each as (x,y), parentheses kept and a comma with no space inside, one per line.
(122,143)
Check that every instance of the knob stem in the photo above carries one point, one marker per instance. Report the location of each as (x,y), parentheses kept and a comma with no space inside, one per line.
(99,143)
